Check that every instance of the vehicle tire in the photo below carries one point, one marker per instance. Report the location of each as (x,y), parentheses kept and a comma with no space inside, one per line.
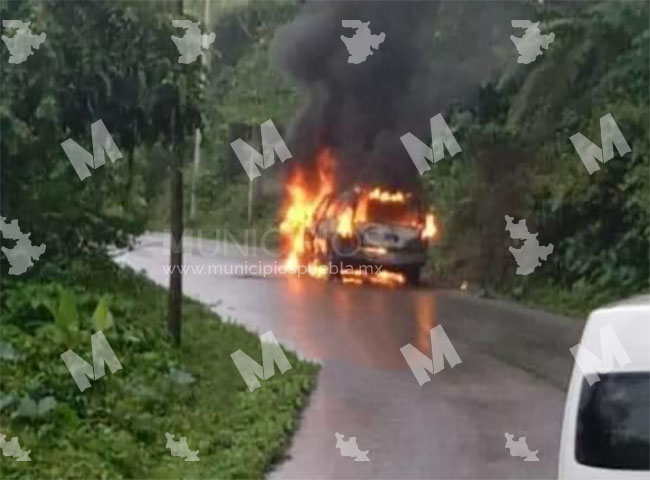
(412,275)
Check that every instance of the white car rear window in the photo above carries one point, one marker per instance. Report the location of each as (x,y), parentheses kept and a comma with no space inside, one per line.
(614,422)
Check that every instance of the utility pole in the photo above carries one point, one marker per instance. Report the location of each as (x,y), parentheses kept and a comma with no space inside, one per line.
(256,139)
(176,220)
(205,61)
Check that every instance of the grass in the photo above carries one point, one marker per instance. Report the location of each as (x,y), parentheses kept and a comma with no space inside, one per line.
(116,428)
(575,302)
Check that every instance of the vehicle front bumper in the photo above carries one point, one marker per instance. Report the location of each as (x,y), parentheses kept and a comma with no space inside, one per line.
(395,259)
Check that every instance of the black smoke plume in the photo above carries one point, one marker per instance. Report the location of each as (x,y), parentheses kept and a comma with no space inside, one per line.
(360,111)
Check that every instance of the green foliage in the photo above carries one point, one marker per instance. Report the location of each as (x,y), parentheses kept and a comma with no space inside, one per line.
(245,89)
(65,314)
(599,224)
(116,428)
(230,218)
(102,318)
(32,409)
(115,61)
(105,60)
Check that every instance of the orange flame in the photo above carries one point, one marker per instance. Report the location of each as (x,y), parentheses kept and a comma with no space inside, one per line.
(387,197)
(377,194)
(430,229)
(305,192)
(301,204)
(384,277)
(344,226)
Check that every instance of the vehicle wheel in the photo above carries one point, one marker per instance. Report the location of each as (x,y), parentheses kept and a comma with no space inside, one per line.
(412,276)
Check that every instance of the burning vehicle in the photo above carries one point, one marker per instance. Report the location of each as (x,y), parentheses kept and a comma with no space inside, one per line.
(352,193)
(366,233)
(365,228)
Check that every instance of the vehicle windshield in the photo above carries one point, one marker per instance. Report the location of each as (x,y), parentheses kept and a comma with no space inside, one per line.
(614,422)
(398,213)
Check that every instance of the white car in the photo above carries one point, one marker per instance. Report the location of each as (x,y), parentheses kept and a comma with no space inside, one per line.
(606,428)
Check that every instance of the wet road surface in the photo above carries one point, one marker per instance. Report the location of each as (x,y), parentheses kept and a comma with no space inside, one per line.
(513,376)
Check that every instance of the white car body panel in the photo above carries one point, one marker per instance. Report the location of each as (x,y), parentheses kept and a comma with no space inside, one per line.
(631,322)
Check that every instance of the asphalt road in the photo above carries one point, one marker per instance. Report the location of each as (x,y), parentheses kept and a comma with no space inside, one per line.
(513,376)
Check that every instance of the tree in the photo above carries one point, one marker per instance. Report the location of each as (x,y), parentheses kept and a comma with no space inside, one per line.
(176,224)
(599,223)
(101,60)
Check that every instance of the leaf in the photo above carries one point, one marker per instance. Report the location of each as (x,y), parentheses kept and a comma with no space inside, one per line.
(49,304)
(102,318)
(45,405)
(68,416)
(67,316)
(141,391)
(52,333)
(8,352)
(27,408)
(7,399)
(31,409)
(180,377)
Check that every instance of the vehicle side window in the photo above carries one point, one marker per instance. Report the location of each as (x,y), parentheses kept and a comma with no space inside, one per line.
(613,427)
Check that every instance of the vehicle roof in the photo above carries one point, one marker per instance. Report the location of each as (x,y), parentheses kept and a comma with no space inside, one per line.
(630,321)
(636,301)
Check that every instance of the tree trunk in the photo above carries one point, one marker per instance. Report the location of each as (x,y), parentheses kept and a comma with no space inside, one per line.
(195,172)
(257,142)
(176,227)
(197,134)
(176,249)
